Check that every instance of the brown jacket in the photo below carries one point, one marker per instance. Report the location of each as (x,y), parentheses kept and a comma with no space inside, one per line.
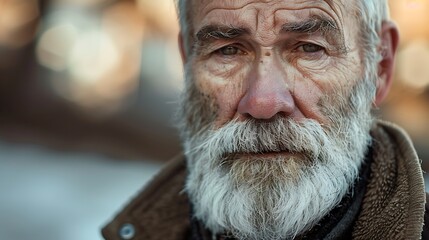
(392,208)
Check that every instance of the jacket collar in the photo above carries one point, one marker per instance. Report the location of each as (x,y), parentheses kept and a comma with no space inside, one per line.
(394,203)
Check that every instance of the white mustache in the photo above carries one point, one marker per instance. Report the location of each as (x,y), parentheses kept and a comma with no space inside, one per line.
(253,136)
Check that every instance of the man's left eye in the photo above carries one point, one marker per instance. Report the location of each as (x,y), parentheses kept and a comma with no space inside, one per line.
(310,48)
(229,50)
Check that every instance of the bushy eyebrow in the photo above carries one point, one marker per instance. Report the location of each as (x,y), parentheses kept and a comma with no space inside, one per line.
(214,32)
(220,32)
(313,24)
(318,25)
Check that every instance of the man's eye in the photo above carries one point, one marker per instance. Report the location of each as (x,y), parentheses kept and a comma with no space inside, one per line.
(310,48)
(229,50)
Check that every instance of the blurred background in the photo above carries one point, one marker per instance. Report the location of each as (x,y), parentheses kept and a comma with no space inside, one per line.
(88,89)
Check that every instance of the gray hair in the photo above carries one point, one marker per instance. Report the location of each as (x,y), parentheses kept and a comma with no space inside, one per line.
(371,14)
(184,12)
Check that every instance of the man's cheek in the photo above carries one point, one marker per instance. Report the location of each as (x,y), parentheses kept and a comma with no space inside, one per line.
(200,108)
(221,97)
(306,96)
(228,97)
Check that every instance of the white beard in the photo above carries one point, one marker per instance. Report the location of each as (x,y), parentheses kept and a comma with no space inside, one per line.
(253,197)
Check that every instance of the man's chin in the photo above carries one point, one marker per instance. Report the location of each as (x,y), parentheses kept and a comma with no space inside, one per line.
(266,169)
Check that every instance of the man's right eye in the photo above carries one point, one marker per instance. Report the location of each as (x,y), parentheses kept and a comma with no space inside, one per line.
(229,50)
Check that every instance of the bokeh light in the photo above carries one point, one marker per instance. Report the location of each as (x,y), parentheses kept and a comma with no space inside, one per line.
(17,20)
(55,45)
(413,69)
(98,56)
(412,17)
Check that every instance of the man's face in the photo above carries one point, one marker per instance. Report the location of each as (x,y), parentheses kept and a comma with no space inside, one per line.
(258,59)
(276,114)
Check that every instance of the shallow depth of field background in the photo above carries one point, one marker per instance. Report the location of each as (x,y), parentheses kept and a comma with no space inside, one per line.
(88,89)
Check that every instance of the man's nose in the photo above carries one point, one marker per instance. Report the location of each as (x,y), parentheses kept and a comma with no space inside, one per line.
(268,92)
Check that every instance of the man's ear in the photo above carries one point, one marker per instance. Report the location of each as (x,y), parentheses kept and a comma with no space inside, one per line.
(389,37)
(182,48)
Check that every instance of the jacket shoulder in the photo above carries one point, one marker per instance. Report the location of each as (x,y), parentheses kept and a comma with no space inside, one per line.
(159,211)
(425,233)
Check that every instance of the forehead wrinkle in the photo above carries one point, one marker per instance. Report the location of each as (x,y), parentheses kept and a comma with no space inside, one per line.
(231,7)
(336,7)
(265,28)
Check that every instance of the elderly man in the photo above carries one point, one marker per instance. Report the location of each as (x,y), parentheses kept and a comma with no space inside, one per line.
(277,129)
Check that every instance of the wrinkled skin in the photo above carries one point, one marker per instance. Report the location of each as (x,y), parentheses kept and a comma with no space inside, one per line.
(267,72)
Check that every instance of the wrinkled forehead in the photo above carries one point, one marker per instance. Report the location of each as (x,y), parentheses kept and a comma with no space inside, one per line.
(265,19)
(228,10)
(235,4)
